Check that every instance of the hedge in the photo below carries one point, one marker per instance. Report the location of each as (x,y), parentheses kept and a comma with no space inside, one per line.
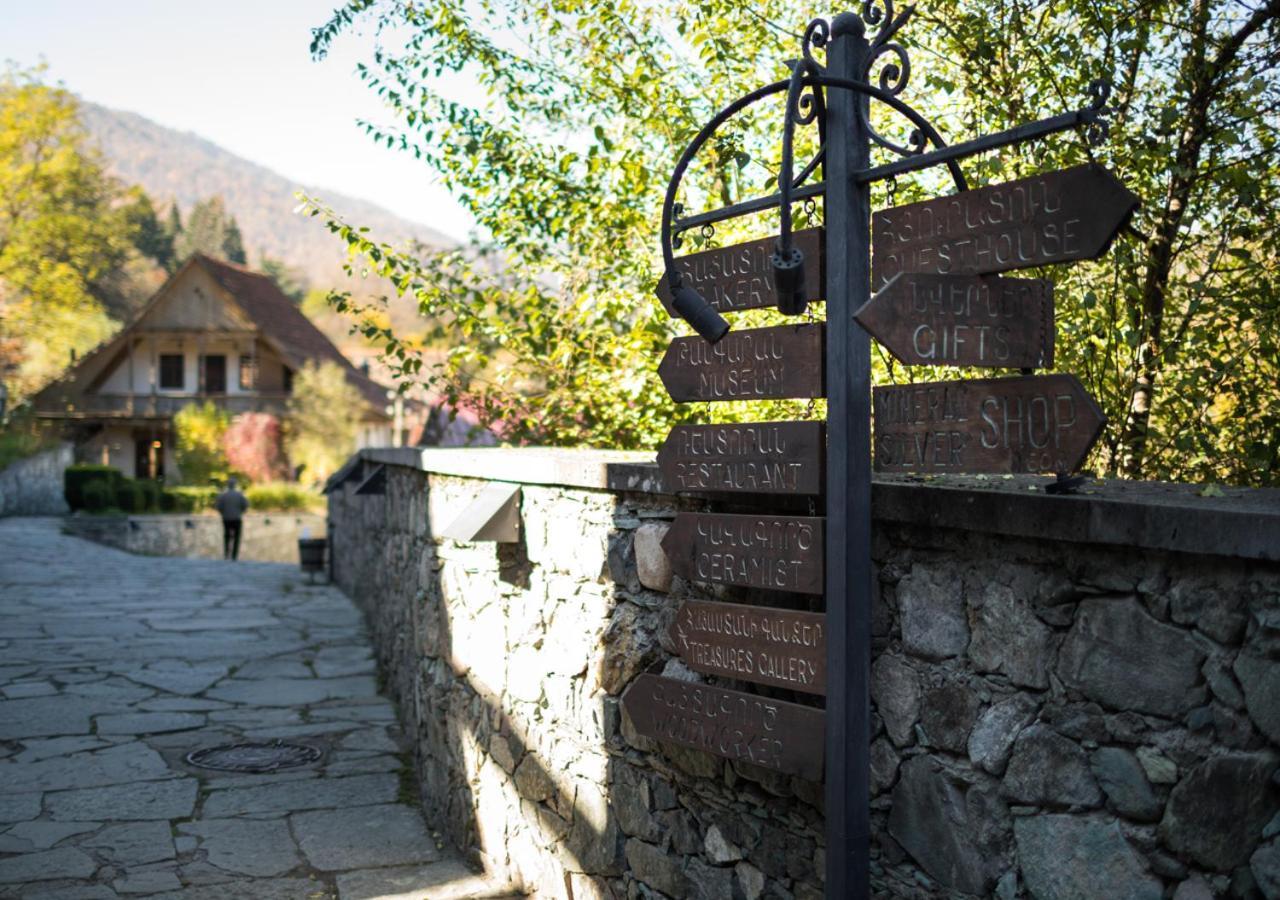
(77,478)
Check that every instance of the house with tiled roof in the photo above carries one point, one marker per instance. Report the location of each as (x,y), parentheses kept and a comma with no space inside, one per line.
(214,332)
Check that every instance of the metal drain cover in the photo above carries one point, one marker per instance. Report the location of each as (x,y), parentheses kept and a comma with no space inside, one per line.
(254,757)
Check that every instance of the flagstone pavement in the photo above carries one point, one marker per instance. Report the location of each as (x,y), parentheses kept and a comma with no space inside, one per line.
(114,667)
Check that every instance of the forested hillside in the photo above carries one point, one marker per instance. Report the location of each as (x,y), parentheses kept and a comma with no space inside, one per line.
(172,165)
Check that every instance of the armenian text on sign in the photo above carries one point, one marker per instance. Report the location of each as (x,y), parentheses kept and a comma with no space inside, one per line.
(1054,217)
(785,737)
(1043,423)
(754,364)
(964,320)
(754,643)
(741,276)
(754,457)
(780,553)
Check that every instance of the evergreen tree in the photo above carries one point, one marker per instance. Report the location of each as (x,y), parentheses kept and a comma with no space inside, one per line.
(206,229)
(173,230)
(150,237)
(232,243)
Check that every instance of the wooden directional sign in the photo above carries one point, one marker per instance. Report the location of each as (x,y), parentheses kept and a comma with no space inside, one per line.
(786,737)
(741,276)
(781,553)
(754,457)
(1055,217)
(1038,423)
(964,320)
(753,364)
(755,643)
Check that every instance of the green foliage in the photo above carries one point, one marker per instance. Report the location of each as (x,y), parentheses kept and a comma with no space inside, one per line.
(292,282)
(150,236)
(188,499)
(23,436)
(76,480)
(283,497)
(130,497)
(209,229)
(586,107)
(233,243)
(98,497)
(323,422)
(198,442)
(65,239)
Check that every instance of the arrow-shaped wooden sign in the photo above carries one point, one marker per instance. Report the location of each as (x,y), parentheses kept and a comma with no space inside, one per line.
(750,457)
(741,276)
(753,364)
(785,737)
(964,320)
(1037,423)
(1055,217)
(780,553)
(761,644)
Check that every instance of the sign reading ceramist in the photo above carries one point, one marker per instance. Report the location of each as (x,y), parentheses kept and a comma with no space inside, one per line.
(780,553)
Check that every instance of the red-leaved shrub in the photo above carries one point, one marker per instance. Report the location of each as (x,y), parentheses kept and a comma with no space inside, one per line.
(252,445)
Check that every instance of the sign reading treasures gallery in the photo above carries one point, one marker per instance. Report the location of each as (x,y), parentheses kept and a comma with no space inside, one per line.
(1055,217)
(781,647)
(964,320)
(774,552)
(785,737)
(741,276)
(752,457)
(1041,423)
(755,364)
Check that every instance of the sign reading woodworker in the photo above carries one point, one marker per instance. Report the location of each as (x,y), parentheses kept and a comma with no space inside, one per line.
(1038,423)
(785,737)
(751,457)
(754,643)
(781,553)
(964,320)
(1055,217)
(741,276)
(753,364)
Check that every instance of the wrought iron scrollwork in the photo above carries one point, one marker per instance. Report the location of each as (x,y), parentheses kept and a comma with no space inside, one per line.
(1099,127)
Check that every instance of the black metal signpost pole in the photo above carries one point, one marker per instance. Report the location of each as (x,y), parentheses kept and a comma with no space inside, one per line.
(847,215)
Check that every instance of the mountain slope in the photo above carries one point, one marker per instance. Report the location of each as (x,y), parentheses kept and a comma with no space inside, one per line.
(173,165)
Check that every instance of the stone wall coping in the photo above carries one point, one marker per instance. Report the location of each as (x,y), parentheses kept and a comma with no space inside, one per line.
(1186,518)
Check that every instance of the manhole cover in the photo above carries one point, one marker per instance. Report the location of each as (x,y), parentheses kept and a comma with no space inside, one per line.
(255,757)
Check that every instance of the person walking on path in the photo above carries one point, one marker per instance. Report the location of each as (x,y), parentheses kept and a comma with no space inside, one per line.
(231,505)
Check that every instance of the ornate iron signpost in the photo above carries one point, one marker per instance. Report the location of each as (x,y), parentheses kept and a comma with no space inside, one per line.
(938,304)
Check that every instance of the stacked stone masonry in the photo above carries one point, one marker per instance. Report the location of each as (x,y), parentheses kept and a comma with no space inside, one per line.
(1052,718)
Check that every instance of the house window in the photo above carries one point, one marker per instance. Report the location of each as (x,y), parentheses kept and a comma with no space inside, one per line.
(172,372)
(288,380)
(215,373)
(248,372)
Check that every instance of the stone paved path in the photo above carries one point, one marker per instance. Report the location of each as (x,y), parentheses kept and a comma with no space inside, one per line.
(114,667)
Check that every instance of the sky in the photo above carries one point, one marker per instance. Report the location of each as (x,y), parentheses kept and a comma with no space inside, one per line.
(238,73)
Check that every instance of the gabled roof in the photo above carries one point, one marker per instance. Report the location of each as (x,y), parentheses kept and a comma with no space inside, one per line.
(284,324)
(281,323)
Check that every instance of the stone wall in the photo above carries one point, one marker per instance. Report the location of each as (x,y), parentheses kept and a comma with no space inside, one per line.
(1069,702)
(33,486)
(267,537)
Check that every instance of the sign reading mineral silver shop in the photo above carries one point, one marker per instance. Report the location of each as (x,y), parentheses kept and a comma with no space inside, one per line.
(1041,423)
(752,457)
(1054,217)
(754,643)
(741,276)
(780,553)
(785,737)
(755,364)
(964,320)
